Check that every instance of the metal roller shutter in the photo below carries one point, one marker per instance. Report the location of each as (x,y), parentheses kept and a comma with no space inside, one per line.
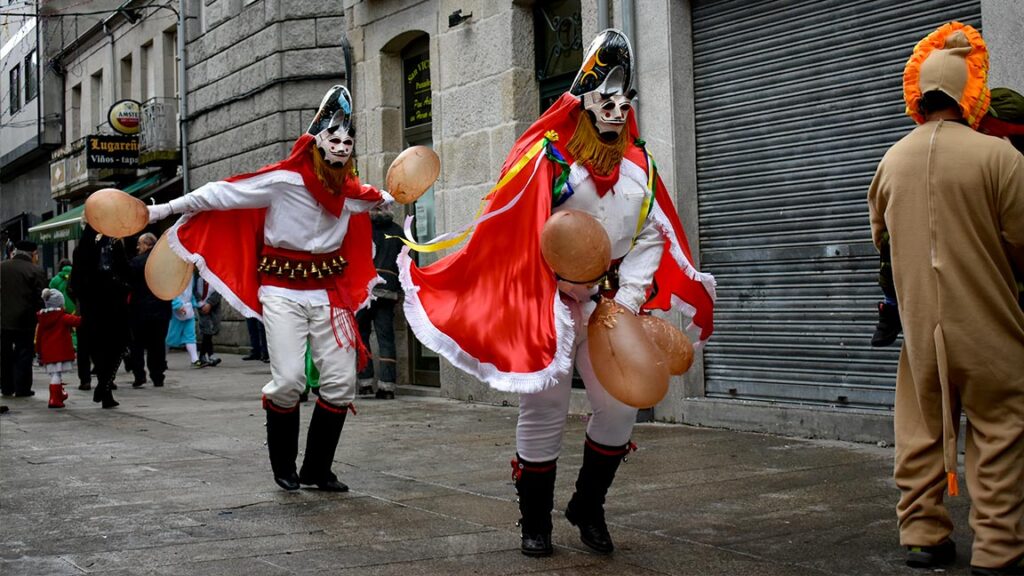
(795,104)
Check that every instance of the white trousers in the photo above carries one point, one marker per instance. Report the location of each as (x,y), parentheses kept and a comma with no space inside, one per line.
(290,326)
(542,416)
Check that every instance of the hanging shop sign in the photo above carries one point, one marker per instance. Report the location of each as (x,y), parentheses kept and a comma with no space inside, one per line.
(117,152)
(124,116)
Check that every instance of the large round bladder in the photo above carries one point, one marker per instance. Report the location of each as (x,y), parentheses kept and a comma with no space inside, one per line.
(673,343)
(575,246)
(114,213)
(412,173)
(629,366)
(167,274)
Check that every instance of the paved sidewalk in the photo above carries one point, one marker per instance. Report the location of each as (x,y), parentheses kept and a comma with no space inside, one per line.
(176,481)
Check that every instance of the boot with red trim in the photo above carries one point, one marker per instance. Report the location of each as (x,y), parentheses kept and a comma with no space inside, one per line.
(535,484)
(283,443)
(586,507)
(321,443)
(56,396)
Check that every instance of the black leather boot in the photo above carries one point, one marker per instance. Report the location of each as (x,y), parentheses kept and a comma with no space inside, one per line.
(103,394)
(283,443)
(321,442)
(888,327)
(535,484)
(586,508)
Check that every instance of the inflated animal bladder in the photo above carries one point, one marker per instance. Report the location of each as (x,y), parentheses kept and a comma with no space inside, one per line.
(167,274)
(629,366)
(412,173)
(114,213)
(575,246)
(673,343)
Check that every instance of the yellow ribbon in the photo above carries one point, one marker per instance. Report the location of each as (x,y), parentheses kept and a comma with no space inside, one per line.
(645,210)
(511,174)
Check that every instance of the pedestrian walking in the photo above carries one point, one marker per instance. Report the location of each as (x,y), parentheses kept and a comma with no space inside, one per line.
(150,317)
(208,321)
(22,282)
(379,317)
(100,283)
(53,343)
(257,340)
(181,332)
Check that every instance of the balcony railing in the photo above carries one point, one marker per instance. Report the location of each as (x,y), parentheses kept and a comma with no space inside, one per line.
(158,136)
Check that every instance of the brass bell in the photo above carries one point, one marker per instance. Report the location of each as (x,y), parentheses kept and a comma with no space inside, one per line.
(315,271)
(287,269)
(263,265)
(273,267)
(301,270)
(342,265)
(605,284)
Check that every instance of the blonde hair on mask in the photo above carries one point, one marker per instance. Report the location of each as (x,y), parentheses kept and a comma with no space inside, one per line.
(332,178)
(587,147)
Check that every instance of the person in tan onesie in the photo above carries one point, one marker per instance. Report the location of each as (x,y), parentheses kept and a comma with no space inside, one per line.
(952,202)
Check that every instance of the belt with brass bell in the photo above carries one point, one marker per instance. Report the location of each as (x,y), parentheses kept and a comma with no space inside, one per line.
(301,269)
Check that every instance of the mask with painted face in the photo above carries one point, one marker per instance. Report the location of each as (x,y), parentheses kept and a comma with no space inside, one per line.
(331,127)
(604,82)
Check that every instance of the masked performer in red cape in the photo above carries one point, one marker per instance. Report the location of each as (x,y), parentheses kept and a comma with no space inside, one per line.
(497,311)
(291,244)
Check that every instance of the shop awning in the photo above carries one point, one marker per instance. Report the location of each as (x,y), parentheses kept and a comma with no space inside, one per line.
(67,226)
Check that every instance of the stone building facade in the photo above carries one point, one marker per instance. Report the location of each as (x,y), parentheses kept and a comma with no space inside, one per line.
(256,71)
(488,85)
(790,352)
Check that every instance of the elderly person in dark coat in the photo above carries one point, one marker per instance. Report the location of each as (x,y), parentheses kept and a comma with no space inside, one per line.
(150,316)
(22,282)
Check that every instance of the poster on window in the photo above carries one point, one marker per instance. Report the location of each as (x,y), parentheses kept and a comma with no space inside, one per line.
(417,90)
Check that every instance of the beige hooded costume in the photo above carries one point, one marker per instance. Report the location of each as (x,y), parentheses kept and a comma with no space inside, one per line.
(952,201)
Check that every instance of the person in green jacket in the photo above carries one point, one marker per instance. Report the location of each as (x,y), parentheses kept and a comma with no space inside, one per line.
(60,282)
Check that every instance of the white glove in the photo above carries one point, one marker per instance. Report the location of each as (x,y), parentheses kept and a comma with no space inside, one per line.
(159,212)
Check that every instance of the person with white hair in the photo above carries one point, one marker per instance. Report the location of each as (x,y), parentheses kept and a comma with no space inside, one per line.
(150,317)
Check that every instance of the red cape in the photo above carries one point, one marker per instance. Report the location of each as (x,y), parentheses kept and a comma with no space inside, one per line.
(225,245)
(492,308)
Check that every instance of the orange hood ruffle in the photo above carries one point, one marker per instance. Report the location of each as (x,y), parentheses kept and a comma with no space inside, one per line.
(936,65)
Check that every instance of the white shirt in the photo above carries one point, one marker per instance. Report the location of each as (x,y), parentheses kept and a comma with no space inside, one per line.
(618,211)
(294,220)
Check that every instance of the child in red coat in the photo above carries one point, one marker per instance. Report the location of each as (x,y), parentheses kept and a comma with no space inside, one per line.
(53,343)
